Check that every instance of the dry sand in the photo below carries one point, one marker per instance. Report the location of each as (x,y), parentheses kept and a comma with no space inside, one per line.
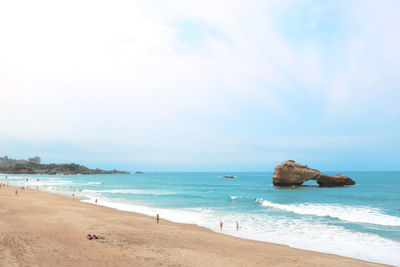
(43,229)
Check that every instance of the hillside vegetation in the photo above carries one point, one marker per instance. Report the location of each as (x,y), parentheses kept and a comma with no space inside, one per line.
(68,169)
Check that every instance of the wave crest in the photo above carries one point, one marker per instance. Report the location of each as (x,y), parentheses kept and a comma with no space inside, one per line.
(131,191)
(345,213)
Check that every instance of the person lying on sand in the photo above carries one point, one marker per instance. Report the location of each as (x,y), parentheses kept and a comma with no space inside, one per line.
(98,237)
(91,237)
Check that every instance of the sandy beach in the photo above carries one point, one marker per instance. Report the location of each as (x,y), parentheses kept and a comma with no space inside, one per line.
(43,229)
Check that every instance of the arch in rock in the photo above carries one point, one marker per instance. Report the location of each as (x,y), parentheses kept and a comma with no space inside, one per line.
(290,173)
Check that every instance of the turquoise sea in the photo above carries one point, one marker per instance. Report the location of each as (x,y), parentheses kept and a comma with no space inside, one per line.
(361,221)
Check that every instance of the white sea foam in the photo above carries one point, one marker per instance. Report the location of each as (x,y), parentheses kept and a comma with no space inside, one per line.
(94,182)
(131,191)
(43,182)
(346,213)
(309,234)
(234,197)
(258,200)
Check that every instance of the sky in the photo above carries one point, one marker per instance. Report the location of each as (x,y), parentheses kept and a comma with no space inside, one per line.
(224,85)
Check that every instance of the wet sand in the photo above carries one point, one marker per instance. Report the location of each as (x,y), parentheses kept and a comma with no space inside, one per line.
(43,229)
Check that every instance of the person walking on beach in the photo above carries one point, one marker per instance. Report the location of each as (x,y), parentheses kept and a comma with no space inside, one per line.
(221,224)
(237,226)
(158,218)
(16,192)
(95,201)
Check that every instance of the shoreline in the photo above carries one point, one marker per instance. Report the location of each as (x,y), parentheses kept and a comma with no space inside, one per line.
(139,242)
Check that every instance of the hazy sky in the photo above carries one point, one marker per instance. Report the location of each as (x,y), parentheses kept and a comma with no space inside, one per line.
(201,85)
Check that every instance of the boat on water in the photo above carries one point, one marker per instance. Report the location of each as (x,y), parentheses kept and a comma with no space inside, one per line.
(229,176)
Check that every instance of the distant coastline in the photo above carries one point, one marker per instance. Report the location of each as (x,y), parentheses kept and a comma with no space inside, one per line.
(34,166)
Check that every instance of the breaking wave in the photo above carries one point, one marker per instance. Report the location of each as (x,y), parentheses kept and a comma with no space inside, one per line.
(130,191)
(345,213)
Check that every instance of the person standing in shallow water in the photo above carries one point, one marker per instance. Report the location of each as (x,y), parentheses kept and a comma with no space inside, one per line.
(221,224)
(237,226)
(158,218)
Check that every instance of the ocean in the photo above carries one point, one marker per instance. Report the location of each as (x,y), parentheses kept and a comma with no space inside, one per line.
(361,221)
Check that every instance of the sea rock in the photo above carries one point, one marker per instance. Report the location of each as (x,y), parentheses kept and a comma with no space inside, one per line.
(334,180)
(291,173)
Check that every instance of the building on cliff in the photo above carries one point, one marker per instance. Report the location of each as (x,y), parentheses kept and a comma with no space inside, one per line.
(35,160)
(6,162)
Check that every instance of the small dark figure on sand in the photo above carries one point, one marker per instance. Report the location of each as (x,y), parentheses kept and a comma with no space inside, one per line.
(221,224)
(16,192)
(158,218)
(98,237)
(91,237)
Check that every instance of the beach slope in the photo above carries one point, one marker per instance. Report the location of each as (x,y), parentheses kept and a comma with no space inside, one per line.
(43,229)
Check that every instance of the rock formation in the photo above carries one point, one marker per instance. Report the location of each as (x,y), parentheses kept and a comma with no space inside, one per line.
(334,180)
(290,173)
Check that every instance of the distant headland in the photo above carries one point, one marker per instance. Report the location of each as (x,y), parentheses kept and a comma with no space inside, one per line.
(34,166)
